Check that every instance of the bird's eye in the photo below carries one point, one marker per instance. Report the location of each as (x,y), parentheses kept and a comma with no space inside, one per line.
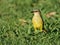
(36,11)
(31,11)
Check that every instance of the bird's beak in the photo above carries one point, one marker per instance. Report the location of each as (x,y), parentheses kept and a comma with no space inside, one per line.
(31,11)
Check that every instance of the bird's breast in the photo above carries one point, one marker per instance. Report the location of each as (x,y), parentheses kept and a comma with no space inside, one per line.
(37,21)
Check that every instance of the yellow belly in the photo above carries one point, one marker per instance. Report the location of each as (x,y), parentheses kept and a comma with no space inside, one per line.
(37,23)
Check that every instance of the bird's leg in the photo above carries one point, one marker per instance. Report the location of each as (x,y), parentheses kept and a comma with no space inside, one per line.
(41,29)
(35,30)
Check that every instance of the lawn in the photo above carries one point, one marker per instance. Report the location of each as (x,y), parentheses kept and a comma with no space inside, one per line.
(14,31)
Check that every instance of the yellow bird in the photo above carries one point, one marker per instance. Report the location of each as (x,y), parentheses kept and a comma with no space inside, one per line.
(37,20)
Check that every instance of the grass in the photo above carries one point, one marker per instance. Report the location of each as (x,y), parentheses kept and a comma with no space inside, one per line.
(13,33)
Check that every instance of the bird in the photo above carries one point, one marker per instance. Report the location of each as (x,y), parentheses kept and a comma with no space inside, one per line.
(37,20)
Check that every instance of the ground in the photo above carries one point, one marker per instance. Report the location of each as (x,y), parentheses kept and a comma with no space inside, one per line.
(13,31)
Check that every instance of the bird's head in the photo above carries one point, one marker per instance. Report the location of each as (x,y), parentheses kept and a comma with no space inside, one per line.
(36,12)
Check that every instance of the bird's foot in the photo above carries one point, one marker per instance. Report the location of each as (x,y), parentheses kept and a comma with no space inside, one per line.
(44,31)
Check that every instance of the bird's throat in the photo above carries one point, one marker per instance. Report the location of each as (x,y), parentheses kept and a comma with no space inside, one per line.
(37,15)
